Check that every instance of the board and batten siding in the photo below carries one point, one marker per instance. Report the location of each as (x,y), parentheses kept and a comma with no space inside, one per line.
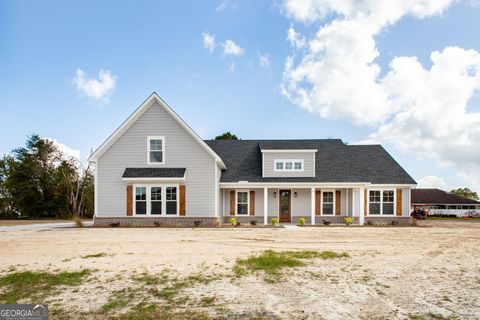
(269,164)
(181,151)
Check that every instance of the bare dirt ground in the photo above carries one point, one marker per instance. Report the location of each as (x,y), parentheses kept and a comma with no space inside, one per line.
(392,272)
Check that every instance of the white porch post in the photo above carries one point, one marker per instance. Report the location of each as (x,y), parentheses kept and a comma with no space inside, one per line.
(312,204)
(361,218)
(265,205)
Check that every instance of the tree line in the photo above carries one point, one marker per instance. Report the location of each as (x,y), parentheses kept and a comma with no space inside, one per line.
(40,181)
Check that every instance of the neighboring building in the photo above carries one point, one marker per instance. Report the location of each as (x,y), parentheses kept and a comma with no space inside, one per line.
(437,201)
(155,170)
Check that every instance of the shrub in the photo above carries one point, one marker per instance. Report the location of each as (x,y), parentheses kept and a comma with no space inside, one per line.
(197,223)
(348,220)
(233,221)
(114,224)
(253,222)
(326,222)
(157,223)
(78,221)
(274,221)
(301,221)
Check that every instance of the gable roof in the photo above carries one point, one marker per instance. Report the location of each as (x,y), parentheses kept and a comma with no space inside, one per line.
(335,162)
(437,196)
(154,97)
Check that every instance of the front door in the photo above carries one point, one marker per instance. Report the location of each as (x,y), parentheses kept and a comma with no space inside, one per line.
(284,206)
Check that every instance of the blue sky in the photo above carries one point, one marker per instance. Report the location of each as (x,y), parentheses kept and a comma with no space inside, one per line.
(157,46)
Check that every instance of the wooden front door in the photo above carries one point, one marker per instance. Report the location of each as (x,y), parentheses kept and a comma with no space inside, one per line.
(285,205)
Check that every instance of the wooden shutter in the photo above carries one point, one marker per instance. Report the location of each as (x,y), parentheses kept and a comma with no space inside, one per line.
(338,198)
(252,203)
(365,203)
(129,200)
(317,202)
(399,202)
(183,208)
(232,203)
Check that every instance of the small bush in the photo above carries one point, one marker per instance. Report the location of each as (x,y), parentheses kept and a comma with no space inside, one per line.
(197,223)
(115,224)
(253,222)
(301,221)
(274,222)
(78,221)
(348,220)
(237,224)
(157,223)
(233,221)
(326,222)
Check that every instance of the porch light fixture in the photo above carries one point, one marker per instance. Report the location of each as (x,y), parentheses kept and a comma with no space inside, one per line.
(295,194)
(274,194)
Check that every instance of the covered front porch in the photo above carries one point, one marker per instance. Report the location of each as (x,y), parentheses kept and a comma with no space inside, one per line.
(316,203)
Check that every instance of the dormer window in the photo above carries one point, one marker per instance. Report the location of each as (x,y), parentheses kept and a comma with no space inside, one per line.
(156,150)
(288,165)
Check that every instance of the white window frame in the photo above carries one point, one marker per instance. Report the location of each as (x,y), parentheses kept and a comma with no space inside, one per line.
(321,202)
(381,202)
(149,138)
(248,202)
(164,199)
(284,161)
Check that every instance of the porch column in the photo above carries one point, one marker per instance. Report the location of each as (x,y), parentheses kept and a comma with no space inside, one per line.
(265,205)
(312,205)
(361,218)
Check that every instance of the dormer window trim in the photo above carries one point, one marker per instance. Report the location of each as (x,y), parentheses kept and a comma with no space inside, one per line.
(287,150)
(155,149)
(288,165)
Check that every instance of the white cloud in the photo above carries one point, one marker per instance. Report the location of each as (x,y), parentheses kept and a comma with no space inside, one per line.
(98,90)
(263,60)
(422,110)
(208,41)
(226,4)
(432,182)
(296,40)
(66,150)
(230,48)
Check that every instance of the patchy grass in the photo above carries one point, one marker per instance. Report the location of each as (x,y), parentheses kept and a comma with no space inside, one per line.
(151,311)
(96,255)
(177,285)
(36,285)
(120,299)
(271,262)
(430,316)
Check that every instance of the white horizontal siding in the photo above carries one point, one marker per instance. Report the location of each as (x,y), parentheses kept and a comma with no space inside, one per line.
(269,164)
(181,150)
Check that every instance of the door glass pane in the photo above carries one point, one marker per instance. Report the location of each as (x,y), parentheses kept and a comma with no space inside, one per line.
(284,202)
(242,203)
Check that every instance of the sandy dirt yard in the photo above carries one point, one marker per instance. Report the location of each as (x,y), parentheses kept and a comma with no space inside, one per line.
(426,272)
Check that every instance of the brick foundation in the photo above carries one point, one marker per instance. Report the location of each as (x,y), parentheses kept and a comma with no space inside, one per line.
(155,221)
(403,221)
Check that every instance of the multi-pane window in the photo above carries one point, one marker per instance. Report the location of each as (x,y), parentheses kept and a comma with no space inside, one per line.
(156,200)
(374,202)
(327,203)
(381,202)
(171,198)
(155,150)
(140,200)
(242,203)
(288,165)
(388,200)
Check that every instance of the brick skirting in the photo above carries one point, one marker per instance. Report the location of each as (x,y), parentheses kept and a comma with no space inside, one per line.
(247,219)
(155,222)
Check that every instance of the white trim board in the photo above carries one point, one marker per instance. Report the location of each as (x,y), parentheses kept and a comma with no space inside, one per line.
(287,150)
(154,97)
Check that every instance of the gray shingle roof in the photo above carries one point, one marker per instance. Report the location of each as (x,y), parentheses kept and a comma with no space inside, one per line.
(437,196)
(153,173)
(335,161)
